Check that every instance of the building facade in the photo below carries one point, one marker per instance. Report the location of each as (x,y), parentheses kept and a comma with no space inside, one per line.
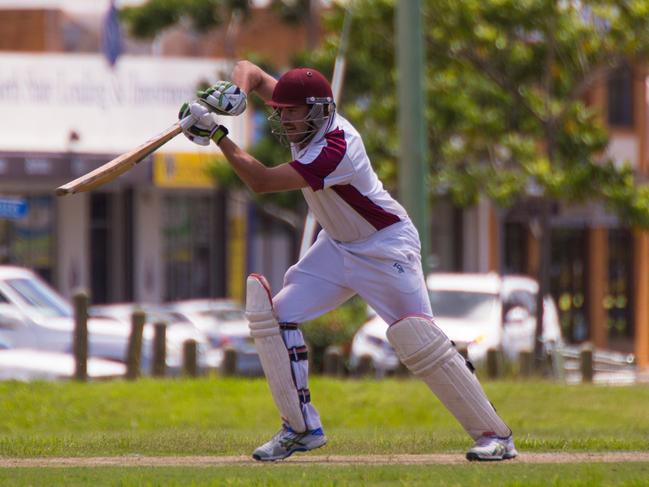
(599,271)
(163,231)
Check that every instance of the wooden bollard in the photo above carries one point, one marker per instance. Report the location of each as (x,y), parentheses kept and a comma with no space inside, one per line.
(365,366)
(159,365)
(229,364)
(333,361)
(493,364)
(190,356)
(587,363)
(135,345)
(526,363)
(558,365)
(80,345)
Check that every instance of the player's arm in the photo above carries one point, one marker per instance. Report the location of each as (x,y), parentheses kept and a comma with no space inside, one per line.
(251,78)
(259,178)
(230,97)
(201,126)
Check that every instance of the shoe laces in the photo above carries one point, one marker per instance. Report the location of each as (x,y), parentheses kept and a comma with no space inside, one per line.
(281,433)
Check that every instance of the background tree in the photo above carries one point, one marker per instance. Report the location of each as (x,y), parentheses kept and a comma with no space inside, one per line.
(507,88)
(154,16)
(151,18)
(507,83)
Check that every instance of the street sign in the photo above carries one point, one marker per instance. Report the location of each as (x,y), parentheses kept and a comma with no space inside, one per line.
(13,208)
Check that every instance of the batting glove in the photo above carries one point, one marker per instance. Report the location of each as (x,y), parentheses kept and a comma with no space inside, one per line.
(199,124)
(224,98)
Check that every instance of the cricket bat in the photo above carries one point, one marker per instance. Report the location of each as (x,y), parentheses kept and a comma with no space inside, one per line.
(118,166)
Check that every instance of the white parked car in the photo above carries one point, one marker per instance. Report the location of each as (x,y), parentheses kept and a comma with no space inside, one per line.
(226,326)
(178,331)
(477,312)
(35,316)
(26,364)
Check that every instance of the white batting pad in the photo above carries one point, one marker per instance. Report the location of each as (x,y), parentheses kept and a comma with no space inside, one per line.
(430,355)
(272,351)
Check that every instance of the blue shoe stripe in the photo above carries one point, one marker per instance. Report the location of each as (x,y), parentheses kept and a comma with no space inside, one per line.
(315,432)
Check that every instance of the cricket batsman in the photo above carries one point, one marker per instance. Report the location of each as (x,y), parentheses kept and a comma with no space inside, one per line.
(367,246)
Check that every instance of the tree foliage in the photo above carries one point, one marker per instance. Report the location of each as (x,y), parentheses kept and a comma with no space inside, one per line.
(506,89)
(152,17)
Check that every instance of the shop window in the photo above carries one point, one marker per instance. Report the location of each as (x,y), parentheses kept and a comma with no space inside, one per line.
(617,301)
(100,245)
(192,246)
(620,98)
(29,241)
(568,281)
(446,238)
(515,258)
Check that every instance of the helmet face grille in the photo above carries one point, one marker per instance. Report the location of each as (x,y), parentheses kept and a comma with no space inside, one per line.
(316,118)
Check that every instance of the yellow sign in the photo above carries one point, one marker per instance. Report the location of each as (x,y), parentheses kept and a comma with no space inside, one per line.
(237,258)
(183,170)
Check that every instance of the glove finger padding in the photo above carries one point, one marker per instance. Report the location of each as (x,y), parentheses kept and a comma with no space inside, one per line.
(197,122)
(224,98)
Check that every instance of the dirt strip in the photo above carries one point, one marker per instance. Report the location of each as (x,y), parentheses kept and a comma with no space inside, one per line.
(214,461)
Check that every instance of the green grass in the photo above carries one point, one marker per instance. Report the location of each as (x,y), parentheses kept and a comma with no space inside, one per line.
(231,416)
(519,475)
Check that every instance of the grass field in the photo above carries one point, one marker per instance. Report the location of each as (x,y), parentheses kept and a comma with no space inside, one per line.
(232,416)
(583,475)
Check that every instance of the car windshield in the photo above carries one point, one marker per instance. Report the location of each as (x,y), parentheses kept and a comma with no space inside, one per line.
(164,316)
(39,297)
(225,314)
(462,304)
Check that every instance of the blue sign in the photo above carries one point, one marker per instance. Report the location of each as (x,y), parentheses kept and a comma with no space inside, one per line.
(13,208)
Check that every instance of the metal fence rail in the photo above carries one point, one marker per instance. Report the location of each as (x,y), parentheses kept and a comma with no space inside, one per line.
(608,367)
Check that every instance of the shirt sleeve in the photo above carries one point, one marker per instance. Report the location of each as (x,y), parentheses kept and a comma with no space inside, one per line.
(325,165)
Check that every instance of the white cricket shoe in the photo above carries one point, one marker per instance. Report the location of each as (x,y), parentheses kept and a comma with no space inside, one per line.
(286,442)
(492,448)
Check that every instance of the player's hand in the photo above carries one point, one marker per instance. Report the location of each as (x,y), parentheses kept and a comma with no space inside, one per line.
(224,98)
(200,124)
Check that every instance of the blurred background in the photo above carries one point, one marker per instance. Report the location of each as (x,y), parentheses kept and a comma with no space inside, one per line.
(533,138)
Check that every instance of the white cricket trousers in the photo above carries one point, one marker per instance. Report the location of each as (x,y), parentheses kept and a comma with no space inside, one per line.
(385,270)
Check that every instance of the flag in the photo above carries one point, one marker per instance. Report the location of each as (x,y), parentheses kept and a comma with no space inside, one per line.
(112,35)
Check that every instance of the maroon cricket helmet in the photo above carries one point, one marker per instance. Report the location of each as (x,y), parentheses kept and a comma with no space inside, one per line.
(301,86)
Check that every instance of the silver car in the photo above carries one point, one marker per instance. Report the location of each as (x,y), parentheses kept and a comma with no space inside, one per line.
(178,331)
(27,364)
(224,323)
(35,316)
(477,312)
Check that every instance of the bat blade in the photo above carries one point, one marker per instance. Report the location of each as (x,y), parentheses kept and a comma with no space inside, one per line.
(118,166)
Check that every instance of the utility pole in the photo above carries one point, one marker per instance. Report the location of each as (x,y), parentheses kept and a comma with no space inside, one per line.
(413,160)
